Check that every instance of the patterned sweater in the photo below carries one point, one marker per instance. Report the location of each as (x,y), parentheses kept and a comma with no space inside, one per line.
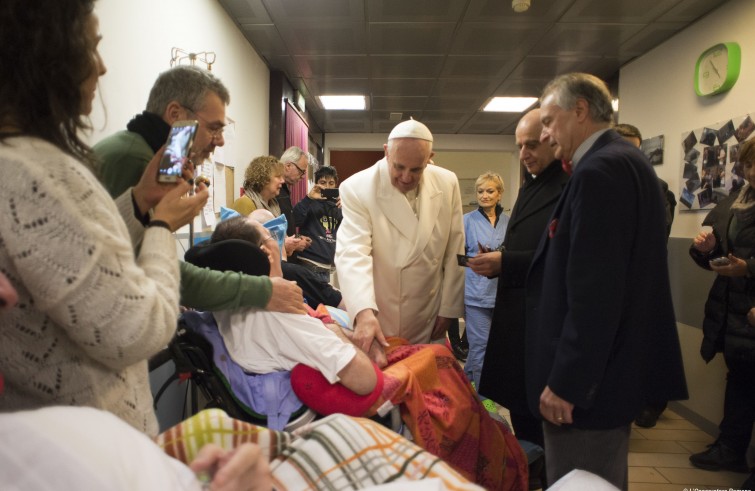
(90,313)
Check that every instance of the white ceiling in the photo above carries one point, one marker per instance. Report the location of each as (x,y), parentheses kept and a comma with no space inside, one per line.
(439,61)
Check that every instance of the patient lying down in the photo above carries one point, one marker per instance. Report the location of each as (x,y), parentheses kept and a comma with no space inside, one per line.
(261,341)
(438,405)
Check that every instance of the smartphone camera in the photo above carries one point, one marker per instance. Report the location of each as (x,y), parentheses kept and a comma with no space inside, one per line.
(177,148)
(330,194)
(720,261)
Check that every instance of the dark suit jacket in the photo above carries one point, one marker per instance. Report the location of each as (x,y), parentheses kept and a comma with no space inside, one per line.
(284,201)
(601,331)
(502,376)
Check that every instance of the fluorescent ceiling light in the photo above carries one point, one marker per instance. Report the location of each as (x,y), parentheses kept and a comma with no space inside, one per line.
(615,105)
(346,102)
(509,104)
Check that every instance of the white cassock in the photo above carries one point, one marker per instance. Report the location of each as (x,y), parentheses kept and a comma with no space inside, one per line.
(401,265)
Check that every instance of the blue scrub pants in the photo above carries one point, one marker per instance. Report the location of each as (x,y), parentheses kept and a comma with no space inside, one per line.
(477,320)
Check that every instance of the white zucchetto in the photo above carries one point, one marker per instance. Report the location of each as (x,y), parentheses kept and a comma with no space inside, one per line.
(411,129)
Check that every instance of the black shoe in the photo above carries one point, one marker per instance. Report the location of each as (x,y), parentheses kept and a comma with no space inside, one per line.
(718,457)
(537,474)
(647,418)
(460,353)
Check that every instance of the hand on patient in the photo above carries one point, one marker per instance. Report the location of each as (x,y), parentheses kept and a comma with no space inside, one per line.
(377,354)
(243,468)
(286,297)
(366,329)
(486,264)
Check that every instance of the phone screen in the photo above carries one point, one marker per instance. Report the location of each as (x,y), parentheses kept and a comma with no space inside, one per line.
(330,194)
(177,148)
(462,260)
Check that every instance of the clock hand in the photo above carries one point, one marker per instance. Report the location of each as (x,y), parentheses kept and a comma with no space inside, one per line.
(714,68)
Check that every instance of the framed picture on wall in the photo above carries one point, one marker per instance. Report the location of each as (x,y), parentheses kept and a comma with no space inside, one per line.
(653,149)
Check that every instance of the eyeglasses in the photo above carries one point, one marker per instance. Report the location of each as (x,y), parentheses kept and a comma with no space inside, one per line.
(214,133)
(302,172)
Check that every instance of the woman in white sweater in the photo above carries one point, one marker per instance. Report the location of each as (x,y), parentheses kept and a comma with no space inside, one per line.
(90,312)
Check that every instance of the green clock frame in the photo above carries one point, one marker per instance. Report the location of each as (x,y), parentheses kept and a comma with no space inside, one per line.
(734,62)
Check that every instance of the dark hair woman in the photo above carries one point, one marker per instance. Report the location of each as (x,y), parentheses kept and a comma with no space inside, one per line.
(90,312)
(729,250)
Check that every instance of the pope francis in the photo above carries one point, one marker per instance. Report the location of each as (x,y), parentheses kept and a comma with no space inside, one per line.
(397,244)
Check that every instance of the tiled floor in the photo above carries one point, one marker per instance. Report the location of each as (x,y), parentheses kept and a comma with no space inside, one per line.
(659,458)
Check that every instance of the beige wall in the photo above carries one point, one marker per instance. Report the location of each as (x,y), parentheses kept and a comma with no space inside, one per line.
(137,39)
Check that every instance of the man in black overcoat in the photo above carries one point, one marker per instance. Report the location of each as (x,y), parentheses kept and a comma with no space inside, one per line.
(502,377)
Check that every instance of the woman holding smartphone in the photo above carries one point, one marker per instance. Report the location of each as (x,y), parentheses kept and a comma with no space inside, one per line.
(484,230)
(729,250)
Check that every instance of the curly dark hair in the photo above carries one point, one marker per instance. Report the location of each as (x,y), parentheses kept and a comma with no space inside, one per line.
(260,171)
(45,56)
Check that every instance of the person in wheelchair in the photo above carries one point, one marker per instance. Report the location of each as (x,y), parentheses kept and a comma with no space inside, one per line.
(437,403)
(262,341)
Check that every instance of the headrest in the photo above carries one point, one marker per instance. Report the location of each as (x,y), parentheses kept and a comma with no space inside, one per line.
(230,255)
(314,390)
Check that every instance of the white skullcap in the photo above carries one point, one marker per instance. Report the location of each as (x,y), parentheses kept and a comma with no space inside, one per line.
(411,129)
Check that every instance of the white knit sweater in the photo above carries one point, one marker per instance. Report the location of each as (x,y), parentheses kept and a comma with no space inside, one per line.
(90,313)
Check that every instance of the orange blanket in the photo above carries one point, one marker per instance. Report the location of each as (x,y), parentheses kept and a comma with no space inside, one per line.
(445,416)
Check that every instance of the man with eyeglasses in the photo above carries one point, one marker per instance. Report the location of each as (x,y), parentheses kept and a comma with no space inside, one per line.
(295,163)
(183,92)
(188,92)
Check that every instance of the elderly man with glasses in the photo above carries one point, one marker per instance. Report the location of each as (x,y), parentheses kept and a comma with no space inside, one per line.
(295,162)
(188,92)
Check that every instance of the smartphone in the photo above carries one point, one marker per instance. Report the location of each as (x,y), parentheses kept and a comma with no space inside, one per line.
(462,260)
(720,261)
(330,194)
(177,148)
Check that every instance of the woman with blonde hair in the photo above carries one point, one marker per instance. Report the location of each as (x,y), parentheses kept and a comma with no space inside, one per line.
(484,229)
(262,184)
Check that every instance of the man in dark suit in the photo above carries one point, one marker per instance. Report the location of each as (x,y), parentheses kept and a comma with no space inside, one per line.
(601,334)
(502,378)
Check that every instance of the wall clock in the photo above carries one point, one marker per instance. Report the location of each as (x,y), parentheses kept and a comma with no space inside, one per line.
(717,69)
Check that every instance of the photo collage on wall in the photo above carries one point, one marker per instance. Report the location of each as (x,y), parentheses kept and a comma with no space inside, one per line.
(710,167)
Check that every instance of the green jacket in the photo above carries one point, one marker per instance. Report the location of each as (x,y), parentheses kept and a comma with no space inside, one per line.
(123,157)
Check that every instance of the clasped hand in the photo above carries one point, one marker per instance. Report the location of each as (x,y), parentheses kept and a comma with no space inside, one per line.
(171,202)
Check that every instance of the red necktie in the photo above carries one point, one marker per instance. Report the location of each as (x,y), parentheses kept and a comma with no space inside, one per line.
(566,166)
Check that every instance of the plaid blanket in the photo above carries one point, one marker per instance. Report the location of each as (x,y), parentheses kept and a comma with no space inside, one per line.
(335,453)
